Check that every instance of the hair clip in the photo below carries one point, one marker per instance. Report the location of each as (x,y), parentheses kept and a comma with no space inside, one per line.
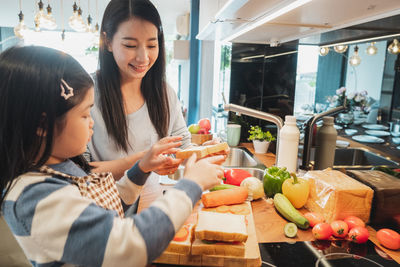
(71,90)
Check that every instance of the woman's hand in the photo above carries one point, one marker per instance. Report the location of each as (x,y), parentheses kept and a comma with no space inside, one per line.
(157,159)
(169,167)
(224,153)
(205,172)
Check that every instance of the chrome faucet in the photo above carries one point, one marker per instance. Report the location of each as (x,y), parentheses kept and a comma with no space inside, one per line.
(259,115)
(308,132)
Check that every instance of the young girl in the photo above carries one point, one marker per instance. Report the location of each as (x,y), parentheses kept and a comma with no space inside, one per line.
(134,107)
(58,211)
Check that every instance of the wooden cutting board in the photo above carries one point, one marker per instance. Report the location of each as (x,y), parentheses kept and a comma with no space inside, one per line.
(251,258)
(270,224)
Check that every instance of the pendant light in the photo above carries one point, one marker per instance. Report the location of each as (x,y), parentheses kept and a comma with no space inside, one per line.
(323,51)
(355,59)
(340,48)
(21,29)
(50,23)
(62,20)
(75,21)
(372,49)
(394,47)
(40,17)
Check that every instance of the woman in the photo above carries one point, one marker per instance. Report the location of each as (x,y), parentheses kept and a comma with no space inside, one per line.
(134,106)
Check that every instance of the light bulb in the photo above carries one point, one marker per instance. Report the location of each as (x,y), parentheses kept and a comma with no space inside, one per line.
(355,59)
(75,21)
(50,22)
(21,29)
(372,49)
(40,18)
(340,48)
(323,51)
(394,47)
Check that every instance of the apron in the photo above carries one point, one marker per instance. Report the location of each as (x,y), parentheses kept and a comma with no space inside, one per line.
(99,187)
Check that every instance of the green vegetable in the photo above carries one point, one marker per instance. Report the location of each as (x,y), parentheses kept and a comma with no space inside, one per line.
(290,229)
(286,209)
(387,170)
(273,180)
(222,186)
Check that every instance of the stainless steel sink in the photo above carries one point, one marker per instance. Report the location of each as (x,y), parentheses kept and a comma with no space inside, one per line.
(239,157)
(356,158)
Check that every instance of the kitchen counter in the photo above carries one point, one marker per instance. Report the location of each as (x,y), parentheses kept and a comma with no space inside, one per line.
(387,149)
(277,249)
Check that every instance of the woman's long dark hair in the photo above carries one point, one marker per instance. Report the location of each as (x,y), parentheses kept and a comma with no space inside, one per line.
(31,106)
(153,86)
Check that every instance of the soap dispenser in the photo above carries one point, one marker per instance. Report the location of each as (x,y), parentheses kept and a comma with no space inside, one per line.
(289,137)
(326,145)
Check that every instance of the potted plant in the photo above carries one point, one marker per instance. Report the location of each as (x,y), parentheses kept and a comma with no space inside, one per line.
(260,138)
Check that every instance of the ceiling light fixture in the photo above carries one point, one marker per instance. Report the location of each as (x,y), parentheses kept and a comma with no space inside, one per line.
(283,10)
(340,48)
(40,18)
(62,20)
(394,47)
(372,49)
(323,51)
(50,22)
(355,59)
(75,21)
(21,29)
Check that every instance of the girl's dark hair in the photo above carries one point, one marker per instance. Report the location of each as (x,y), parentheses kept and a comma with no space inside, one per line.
(153,86)
(31,106)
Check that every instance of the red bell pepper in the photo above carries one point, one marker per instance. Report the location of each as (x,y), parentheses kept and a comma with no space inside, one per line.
(235,176)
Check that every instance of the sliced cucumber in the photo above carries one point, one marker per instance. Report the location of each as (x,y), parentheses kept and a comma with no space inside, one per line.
(290,230)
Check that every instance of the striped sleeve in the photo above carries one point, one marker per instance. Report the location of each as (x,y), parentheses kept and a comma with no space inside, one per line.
(131,184)
(54,224)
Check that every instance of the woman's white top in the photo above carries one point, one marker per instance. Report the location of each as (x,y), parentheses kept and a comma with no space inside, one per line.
(141,132)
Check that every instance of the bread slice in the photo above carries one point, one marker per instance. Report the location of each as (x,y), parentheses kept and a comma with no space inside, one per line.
(224,227)
(201,151)
(211,149)
(182,246)
(201,247)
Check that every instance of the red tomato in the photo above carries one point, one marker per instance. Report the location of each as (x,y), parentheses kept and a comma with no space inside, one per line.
(322,231)
(388,238)
(235,176)
(314,218)
(359,234)
(205,124)
(353,221)
(340,228)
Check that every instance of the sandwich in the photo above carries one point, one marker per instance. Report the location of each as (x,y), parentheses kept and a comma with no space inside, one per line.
(201,151)
(223,227)
(182,241)
(220,234)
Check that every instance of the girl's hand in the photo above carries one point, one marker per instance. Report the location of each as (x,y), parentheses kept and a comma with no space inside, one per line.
(157,157)
(205,172)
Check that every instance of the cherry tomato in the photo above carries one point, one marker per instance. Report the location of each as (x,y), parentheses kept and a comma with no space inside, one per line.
(353,221)
(322,231)
(388,238)
(359,234)
(340,228)
(314,218)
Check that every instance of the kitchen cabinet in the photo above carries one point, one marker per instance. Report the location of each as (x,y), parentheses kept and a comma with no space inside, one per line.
(279,21)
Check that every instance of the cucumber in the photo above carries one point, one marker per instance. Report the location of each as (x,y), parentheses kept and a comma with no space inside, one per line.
(223,186)
(290,230)
(286,209)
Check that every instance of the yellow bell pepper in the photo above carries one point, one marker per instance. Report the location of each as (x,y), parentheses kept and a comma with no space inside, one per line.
(296,190)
